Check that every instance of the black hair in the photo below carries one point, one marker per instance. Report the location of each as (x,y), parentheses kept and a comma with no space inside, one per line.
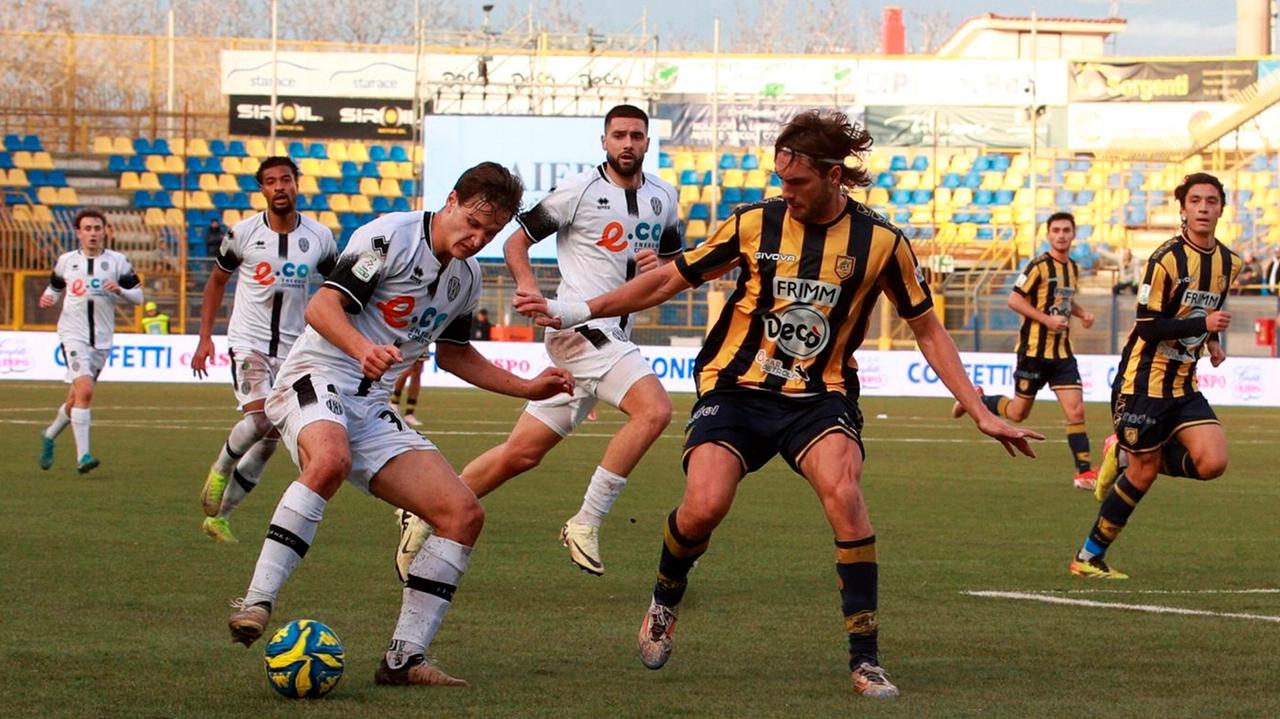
(1060,215)
(828,138)
(276,161)
(630,111)
(1198,178)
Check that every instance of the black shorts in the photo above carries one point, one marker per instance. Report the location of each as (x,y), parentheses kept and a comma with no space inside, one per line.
(755,424)
(1144,424)
(1033,374)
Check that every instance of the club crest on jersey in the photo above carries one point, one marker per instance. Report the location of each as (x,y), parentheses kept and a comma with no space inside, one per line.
(455,286)
(845,266)
(367,265)
(1131,435)
(1219,283)
(105,265)
(656,204)
(303,244)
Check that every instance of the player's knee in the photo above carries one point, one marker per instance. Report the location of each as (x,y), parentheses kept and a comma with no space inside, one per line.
(1016,412)
(656,419)
(700,518)
(261,425)
(1212,466)
(329,469)
(461,523)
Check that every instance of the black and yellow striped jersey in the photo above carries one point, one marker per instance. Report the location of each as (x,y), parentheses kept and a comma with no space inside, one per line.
(1181,282)
(803,298)
(1050,286)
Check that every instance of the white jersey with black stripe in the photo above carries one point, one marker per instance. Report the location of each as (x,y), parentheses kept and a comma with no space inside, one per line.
(274,270)
(399,294)
(599,227)
(89,309)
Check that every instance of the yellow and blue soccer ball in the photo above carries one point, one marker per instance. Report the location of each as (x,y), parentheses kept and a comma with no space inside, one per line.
(304,659)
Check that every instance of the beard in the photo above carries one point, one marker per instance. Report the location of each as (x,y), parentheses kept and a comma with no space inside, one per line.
(625,172)
(282,212)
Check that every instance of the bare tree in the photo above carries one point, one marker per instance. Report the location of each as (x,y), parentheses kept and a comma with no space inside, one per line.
(933,26)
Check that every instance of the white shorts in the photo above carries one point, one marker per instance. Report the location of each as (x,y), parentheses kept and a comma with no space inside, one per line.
(376,433)
(601,371)
(83,360)
(252,374)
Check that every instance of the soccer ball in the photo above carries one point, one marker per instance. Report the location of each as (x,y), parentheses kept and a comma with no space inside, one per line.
(304,659)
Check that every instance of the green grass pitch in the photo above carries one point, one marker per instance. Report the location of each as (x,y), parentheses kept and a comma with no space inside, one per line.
(115,604)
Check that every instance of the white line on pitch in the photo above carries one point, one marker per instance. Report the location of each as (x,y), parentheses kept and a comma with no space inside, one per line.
(1149,608)
(1260,590)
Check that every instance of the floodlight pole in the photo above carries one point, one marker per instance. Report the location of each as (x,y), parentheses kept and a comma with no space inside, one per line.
(715,126)
(275,76)
(1035,141)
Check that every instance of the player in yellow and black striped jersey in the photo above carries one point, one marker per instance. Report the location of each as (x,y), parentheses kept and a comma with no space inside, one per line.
(1162,422)
(776,372)
(1044,294)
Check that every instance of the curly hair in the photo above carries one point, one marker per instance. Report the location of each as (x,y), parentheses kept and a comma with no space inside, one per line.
(828,138)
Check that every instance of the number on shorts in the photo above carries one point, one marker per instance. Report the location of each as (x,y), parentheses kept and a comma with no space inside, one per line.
(392,418)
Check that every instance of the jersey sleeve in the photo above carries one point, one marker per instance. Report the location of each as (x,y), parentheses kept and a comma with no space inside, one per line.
(229,253)
(551,213)
(1029,279)
(671,242)
(903,282)
(1153,292)
(713,257)
(128,278)
(329,258)
(58,278)
(371,255)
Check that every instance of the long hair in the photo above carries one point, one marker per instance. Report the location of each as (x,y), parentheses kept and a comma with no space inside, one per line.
(829,138)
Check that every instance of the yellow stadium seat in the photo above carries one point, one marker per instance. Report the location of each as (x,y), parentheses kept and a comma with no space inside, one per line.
(921,215)
(330,220)
(1020,163)
(281,149)
(695,230)
(22,159)
(942,196)
(307,185)
(992,181)
(200,200)
(389,169)
(876,197)
(733,178)
(683,161)
(21,213)
(155,163)
(233,166)
(709,194)
(1002,215)
(174,217)
(704,161)
(688,194)
(1096,180)
(946,233)
(960,164)
(339,203)
(102,145)
(1073,181)
(962,197)
(227,183)
(311,215)
(41,214)
(198,148)
(42,161)
(908,181)
(257,149)
(148,181)
(178,146)
(407,170)
(68,196)
(357,152)
(417,155)
(173,165)
(942,214)
(390,188)
(337,151)
(121,146)
(129,181)
(369,187)
(1013,180)
(309,166)
(878,163)
(257,201)
(208,182)
(230,218)
(666,174)
(1044,196)
(967,232)
(153,217)
(47,196)
(766,158)
(756,179)
(16,178)
(361,204)
(330,168)
(1022,196)
(772,191)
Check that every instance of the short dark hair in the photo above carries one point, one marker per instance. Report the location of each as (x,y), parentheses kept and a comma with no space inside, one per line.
(276,161)
(1198,178)
(87,213)
(1060,215)
(828,138)
(492,184)
(626,111)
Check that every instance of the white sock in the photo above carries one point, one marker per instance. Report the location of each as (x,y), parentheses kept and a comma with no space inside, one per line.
(60,422)
(293,527)
(246,474)
(433,578)
(601,494)
(80,428)
(251,428)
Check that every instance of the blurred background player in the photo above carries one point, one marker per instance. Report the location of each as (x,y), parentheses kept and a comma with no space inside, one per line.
(776,374)
(94,279)
(1044,294)
(610,223)
(330,403)
(1163,424)
(274,253)
(411,377)
(154,322)
(482,328)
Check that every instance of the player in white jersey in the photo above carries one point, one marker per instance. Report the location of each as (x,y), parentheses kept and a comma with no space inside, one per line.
(95,279)
(274,254)
(610,223)
(404,281)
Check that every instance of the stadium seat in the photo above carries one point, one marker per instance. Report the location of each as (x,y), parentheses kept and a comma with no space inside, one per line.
(228,183)
(733,178)
(696,230)
(700,211)
(155,163)
(750,161)
(248,183)
(709,194)
(381,205)
(400,204)
(379,153)
(728,161)
(307,185)
(704,161)
(339,203)
(369,187)
(752,194)
(219,148)
(731,196)
(236,148)
(129,181)
(399,154)
(257,149)
(357,152)
(297,149)
(389,169)
(18,178)
(320,203)
(920,163)
(390,188)
(688,194)
(149,181)
(153,217)
(198,147)
(360,204)
(102,145)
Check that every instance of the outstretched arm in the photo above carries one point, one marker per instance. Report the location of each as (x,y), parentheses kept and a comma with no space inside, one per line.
(647,290)
(474,368)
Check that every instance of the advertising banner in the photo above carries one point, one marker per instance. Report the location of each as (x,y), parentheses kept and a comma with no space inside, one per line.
(327,117)
(1154,126)
(1240,381)
(742,124)
(1004,127)
(1183,81)
(540,150)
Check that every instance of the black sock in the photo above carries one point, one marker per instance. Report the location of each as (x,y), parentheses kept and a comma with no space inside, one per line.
(678,555)
(858,576)
(395,399)
(1078,441)
(1176,461)
(997,403)
(1113,515)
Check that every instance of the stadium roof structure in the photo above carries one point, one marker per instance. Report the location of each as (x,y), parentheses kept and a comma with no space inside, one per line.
(1006,36)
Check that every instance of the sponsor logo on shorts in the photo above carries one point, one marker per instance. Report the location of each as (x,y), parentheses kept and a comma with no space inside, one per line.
(709,410)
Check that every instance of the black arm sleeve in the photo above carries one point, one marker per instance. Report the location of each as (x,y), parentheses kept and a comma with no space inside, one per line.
(327,265)
(56,282)
(1153,327)
(538,224)
(458,331)
(129,281)
(344,280)
(669,243)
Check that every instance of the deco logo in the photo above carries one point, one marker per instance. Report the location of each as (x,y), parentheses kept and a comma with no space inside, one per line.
(800,331)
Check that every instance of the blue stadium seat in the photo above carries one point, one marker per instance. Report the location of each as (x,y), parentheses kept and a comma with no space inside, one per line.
(900,197)
(986,233)
(901,217)
(1003,197)
(921,197)
(1064,199)
(1084,232)
(951,180)
(142,199)
(999,163)
(750,161)
(724,211)
(57,178)
(982,198)
(400,204)
(381,205)
(135,163)
(213,165)
(141,146)
(330,185)
(1084,197)
(319,203)
(318,151)
(399,154)
(13,143)
(303,203)
(348,220)
(898,163)
(774,180)
(731,196)
(370,169)
(1082,165)
(981,217)
(160,146)
(31,143)
(248,183)
(728,161)
(689,177)
(367,217)
(980,164)
(886,180)
(345,237)
(350,169)
(700,211)
(222,202)
(350,185)
(407,188)
(36,178)
(6,161)
(297,149)
(218,148)
(973,181)
(162,199)
(236,148)
(664,160)
(240,201)
(752,194)
(378,153)
(195,165)
(920,163)
(962,217)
